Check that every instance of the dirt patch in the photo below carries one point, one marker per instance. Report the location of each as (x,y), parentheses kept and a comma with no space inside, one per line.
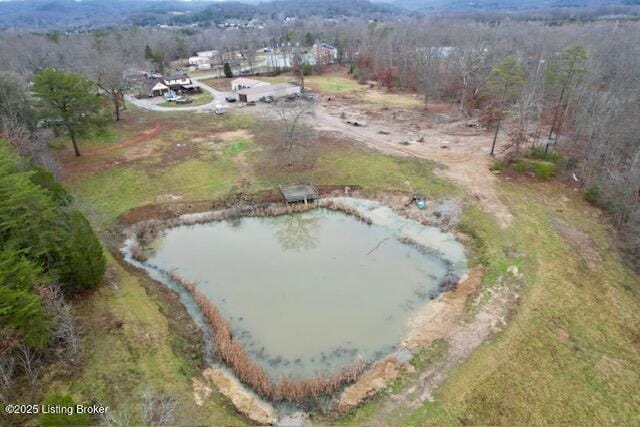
(231,136)
(580,241)
(201,391)
(146,135)
(562,334)
(245,402)
(137,152)
(177,153)
(412,133)
(379,376)
(435,320)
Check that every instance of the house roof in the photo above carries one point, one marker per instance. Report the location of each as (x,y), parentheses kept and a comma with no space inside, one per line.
(177,77)
(264,89)
(325,46)
(151,85)
(248,82)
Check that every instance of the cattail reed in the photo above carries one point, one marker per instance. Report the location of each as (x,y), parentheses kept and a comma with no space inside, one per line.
(230,351)
(343,207)
(137,253)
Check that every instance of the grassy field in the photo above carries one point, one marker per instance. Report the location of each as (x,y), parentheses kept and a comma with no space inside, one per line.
(570,354)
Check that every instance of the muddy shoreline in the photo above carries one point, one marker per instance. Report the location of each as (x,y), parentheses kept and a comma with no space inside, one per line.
(381,373)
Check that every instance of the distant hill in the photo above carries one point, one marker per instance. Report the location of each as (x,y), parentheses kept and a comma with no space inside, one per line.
(102,13)
(497,5)
(280,9)
(85,14)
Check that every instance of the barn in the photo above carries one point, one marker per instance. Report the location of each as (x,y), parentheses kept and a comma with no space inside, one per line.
(277,91)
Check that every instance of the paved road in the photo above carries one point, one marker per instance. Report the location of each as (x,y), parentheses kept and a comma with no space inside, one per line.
(218,99)
(218,96)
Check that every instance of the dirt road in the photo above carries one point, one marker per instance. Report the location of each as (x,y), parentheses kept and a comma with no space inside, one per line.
(458,145)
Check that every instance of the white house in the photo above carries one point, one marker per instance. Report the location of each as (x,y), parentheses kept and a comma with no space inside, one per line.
(207,53)
(199,60)
(177,80)
(277,91)
(245,83)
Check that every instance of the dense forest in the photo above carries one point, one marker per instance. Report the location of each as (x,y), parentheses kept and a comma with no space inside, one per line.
(48,253)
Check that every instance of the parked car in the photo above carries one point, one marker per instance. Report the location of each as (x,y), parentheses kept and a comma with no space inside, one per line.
(170,96)
(219,109)
(183,100)
(268,99)
(230,98)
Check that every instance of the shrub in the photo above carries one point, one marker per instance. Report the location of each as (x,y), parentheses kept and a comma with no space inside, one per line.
(44,179)
(519,166)
(498,165)
(538,154)
(544,170)
(593,195)
(307,69)
(63,400)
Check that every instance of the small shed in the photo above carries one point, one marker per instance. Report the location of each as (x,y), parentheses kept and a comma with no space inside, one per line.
(299,192)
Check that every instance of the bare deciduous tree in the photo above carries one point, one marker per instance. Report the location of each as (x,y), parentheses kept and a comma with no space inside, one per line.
(31,363)
(291,115)
(64,323)
(7,370)
(158,409)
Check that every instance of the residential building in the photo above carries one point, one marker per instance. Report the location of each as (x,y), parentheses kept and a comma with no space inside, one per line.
(152,87)
(324,53)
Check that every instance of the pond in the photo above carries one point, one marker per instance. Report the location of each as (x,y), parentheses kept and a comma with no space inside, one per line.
(312,292)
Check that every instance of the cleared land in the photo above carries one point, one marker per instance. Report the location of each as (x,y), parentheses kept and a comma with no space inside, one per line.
(569,353)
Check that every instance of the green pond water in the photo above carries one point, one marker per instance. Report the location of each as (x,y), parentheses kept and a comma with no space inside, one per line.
(311,292)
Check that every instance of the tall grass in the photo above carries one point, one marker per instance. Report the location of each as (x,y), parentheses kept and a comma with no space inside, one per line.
(343,207)
(147,231)
(231,352)
(137,253)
